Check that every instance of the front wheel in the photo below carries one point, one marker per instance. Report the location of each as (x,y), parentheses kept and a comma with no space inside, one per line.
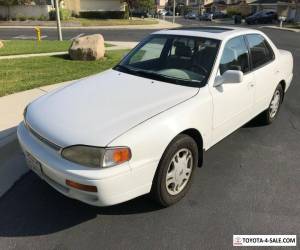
(270,114)
(175,170)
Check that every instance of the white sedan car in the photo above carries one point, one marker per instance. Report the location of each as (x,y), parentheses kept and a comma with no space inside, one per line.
(142,126)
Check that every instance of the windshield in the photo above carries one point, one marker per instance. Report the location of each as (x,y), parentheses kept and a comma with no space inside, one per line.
(176,59)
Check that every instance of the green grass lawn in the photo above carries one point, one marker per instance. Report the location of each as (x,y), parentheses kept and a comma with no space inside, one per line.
(28,73)
(112,22)
(18,47)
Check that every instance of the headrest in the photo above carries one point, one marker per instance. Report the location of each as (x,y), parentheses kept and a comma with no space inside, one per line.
(182,50)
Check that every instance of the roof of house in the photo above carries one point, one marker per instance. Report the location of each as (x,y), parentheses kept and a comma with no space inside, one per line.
(214,32)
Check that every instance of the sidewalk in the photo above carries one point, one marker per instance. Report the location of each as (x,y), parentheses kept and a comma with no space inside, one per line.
(11,113)
(163,24)
(117,46)
(12,107)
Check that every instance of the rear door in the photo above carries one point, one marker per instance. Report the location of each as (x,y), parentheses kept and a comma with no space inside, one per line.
(265,70)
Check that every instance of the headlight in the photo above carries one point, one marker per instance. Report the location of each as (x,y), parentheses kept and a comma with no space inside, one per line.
(96,157)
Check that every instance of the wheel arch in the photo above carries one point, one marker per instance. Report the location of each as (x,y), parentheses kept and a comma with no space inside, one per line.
(196,135)
(283,85)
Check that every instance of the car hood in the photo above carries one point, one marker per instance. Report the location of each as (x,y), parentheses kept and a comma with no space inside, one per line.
(97,109)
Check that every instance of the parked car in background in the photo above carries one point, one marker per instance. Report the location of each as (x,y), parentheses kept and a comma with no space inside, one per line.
(219,15)
(190,15)
(163,12)
(262,17)
(169,13)
(206,17)
(142,127)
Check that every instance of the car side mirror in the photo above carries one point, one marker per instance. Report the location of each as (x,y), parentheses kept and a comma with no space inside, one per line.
(229,76)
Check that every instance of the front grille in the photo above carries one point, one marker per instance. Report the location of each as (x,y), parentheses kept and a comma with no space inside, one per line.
(43,140)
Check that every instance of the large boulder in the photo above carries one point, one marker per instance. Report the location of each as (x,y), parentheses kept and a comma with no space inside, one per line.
(87,48)
(1,44)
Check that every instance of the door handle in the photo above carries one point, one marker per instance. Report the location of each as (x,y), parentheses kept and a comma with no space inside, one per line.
(276,72)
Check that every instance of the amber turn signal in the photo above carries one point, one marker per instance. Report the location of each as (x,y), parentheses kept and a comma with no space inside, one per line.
(121,155)
(83,187)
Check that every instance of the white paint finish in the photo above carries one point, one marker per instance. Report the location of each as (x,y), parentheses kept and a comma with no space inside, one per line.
(116,109)
(232,105)
(120,102)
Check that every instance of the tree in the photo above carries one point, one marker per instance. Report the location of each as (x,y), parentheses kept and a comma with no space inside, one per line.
(130,4)
(146,5)
(143,5)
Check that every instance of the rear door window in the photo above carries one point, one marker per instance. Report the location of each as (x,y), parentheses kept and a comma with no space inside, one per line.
(260,50)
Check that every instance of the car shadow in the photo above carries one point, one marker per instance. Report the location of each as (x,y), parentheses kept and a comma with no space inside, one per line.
(32,208)
(255,122)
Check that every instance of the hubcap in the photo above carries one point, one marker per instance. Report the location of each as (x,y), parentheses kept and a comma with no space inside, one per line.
(179,171)
(274,106)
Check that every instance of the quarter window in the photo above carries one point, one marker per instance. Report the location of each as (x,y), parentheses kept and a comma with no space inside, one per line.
(235,56)
(261,51)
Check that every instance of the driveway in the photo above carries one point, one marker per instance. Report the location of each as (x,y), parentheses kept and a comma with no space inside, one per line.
(249,184)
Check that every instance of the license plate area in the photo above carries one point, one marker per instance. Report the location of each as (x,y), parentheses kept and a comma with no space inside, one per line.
(34,164)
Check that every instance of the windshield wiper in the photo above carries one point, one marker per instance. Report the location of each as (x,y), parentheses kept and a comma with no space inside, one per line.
(156,76)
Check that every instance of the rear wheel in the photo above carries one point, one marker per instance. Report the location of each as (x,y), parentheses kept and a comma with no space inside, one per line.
(270,114)
(175,171)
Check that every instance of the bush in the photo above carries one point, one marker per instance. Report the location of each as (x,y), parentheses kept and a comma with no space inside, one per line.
(103,14)
(32,18)
(64,14)
(233,12)
(42,18)
(21,18)
(139,14)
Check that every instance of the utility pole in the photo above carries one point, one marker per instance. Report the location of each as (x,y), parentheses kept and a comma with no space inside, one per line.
(59,33)
(174,10)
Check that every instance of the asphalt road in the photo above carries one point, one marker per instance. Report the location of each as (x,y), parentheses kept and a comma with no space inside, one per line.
(249,184)
(126,34)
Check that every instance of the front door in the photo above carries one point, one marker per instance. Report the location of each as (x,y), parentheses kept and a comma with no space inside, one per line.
(233,103)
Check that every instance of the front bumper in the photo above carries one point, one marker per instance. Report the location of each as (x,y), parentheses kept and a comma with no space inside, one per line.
(114,185)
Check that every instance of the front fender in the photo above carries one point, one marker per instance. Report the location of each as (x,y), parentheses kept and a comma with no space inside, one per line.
(149,139)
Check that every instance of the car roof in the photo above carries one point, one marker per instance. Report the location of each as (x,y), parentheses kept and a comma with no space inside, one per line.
(214,32)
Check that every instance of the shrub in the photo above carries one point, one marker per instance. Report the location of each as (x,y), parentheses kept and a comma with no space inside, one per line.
(21,18)
(42,18)
(64,14)
(103,14)
(32,18)
(233,12)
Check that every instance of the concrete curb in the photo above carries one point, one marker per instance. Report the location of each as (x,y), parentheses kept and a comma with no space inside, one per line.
(279,28)
(12,167)
(11,109)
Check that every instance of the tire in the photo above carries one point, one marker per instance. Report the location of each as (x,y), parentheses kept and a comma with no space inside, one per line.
(270,114)
(167,190)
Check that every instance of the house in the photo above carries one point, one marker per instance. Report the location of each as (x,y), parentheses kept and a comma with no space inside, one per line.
(161,4)
(94,5)
(286,8)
